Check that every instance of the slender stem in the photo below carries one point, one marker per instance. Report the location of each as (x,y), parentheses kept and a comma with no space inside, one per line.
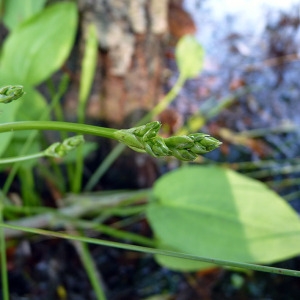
(109,230)
(92,272)
(4,277)
(163,104)
(76,183)
(59,116)
(21,158)
(104,166)
(155,251)
(60,126)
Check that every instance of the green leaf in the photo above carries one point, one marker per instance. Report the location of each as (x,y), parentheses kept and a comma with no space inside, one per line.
(39,46)
(189,56)
(218,213)
(17,11)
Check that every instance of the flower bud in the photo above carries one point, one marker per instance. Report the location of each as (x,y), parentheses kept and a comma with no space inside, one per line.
(129,139)
(157,146)
(198,149)
(62,149)
(185,155)
(147,131)
(179,142)
(10,93)
(53,150)
(196,137)
(72,142)
(204,142)
(210,143)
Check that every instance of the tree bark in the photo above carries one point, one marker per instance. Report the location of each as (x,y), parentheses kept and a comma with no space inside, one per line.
(133,36)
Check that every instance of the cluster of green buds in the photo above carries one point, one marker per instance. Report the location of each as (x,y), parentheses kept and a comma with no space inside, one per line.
(61,149)
(10,93)
(145,139)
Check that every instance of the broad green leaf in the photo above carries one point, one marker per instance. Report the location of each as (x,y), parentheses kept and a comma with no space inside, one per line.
(38,47)
(189,56)
(218,213)
(16,11)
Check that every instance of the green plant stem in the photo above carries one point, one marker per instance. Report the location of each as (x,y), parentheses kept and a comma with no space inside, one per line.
(59,115)
(166,100)
(104,166)
(221,262)
(4,277)
(76,183)
(89,63)
(114,154)
(116,233)
(21,158)
(91,270)
(60,126)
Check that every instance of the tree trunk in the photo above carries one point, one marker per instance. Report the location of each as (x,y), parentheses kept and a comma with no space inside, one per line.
(133,36)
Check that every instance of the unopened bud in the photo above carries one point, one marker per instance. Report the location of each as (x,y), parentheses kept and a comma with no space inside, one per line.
(185,155)
(62,149)
(10,93)
(179,142)
(147,131)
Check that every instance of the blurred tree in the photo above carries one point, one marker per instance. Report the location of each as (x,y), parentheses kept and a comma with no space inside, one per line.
(133,37)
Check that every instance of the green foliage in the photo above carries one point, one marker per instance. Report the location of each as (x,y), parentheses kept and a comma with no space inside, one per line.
(45,40)
(218,213)
(39,46)
(17,11)
(198,211)
(189,57)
